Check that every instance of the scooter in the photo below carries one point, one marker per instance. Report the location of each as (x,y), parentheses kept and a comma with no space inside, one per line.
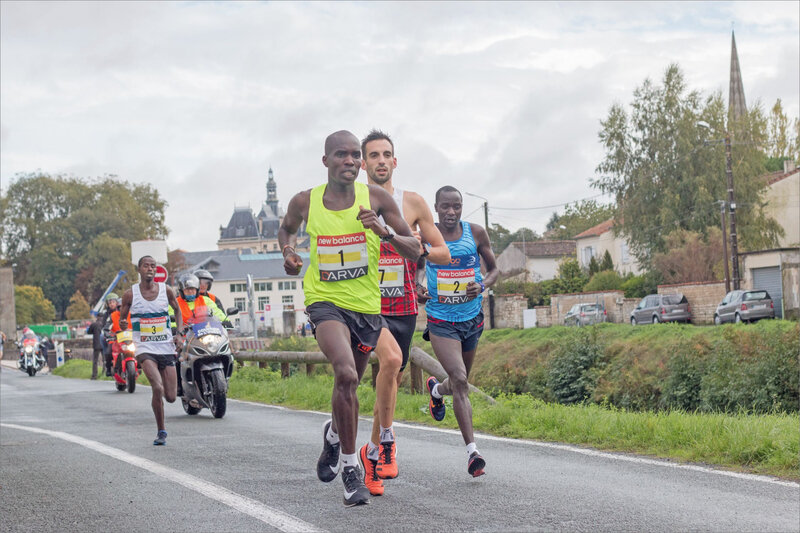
(126,369)
(30,356)
(206,365)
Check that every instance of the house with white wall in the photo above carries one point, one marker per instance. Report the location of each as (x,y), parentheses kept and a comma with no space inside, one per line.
(599,239)
(534,260)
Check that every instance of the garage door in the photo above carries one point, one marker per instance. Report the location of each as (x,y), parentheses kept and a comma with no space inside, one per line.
(769,278)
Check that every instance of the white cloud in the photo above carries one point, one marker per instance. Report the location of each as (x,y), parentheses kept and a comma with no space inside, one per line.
(501,99)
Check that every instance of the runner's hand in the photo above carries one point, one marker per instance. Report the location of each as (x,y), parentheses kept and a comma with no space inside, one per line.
(422,294)
(123,324)
(473,290)
(369,219)
(292,264)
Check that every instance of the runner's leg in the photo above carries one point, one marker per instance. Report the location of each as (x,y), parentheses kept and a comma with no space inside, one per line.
(150,368)
(448,351)
(390,358)
(169,377)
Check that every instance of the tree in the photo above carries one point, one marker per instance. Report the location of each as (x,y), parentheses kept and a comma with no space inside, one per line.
(779,142)
(500,237)
(665,165)
(691,257)
(594,267)
(606,263)
(104,258)
(570,277)
(31,306)
(577,218)
(78,307)
(606,280)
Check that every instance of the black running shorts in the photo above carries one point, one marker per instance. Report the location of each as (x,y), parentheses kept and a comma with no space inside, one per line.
(161,359)
(364,329)
(402,329)
(468,332)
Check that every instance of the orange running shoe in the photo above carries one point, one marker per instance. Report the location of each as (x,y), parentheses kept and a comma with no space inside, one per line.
(373,483)
(387,462)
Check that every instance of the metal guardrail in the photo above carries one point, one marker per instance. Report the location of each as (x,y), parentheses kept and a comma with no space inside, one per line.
(419,360)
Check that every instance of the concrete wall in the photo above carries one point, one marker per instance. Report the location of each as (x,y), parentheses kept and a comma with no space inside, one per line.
(783,204)
(789,262)
(613,301)
(544,318)
(8,314)
(703,297)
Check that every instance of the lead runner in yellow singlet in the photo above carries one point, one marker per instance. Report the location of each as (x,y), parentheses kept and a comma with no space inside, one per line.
(341,285)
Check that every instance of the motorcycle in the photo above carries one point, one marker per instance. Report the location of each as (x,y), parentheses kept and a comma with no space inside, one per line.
(126,368)
(30,356)
(206,365)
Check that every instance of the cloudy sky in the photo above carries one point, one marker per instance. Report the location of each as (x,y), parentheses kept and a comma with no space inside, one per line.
(502,100)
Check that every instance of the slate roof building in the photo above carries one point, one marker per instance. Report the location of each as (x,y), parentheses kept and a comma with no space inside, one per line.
(258,233)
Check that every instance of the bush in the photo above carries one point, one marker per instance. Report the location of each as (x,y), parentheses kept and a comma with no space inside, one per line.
(604,281)
(570,378)
(641,286)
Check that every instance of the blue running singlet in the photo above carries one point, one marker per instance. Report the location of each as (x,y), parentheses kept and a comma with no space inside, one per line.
(447,284)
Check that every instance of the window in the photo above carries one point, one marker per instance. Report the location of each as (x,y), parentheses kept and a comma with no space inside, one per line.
(287,285)
(624,253)
(263,286)
(287,299)
(239,303)
(263,301)
(238,287)
(586,255)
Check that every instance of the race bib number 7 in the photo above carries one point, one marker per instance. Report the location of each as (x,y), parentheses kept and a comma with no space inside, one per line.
(451,285)
(342,257)
(154,329)
(391,276)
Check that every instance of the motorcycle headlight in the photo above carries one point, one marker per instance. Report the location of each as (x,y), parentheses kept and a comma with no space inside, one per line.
(29,349)
(211,342)
(131,347)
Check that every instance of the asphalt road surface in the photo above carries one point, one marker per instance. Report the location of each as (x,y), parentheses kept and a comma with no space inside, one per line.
(77,456)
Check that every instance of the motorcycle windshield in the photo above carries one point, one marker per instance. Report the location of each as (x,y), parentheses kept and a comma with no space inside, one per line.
(29,342)
(211,326)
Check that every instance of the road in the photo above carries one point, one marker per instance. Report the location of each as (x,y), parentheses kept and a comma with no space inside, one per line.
(78,456)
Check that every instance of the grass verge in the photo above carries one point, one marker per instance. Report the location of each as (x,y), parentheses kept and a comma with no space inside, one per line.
(761,444)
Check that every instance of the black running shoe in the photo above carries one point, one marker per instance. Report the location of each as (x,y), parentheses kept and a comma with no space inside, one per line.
(161,438)
(436,405)
(328,463)
(475,465)
(355,492)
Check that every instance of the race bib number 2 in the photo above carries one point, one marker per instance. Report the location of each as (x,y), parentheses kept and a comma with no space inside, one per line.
(392,273)
(342,257)
(451,285)
(153,329)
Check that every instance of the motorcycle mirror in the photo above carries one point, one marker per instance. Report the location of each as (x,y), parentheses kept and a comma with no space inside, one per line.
(232,311)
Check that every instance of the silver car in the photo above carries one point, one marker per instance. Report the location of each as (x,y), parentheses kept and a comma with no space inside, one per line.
(744,306)
(585,315)
(657,308)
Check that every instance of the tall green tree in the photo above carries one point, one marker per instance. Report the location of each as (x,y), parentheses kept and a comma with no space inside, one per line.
(779,132)
(665,165)
(31,306)
(78,307)
(577,218)
(607,263)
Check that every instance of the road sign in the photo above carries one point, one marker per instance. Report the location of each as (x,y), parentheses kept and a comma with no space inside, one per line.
(161,274)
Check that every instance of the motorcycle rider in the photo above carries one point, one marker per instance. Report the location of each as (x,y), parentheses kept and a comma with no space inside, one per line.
(206,280)
(28,337)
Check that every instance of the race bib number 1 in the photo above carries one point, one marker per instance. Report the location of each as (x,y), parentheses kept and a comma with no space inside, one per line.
(153,329)
(451,285)
(392,274)
(342,257)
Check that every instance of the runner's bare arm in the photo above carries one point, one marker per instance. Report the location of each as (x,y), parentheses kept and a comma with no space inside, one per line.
(125,308)
(296,213)
(487,259)
(439,253)
(174,303)
(383,204)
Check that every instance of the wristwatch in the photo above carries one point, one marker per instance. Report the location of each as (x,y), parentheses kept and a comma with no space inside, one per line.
(483,287)
(426,250)
(389,235)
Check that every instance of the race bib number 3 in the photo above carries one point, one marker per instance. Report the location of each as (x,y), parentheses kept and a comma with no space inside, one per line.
(153,329)
(451,285)
(342,257)
(392,273)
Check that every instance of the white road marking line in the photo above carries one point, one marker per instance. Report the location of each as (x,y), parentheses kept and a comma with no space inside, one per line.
(243,504)
(567,448)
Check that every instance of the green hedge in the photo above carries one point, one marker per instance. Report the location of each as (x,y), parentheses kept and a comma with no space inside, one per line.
(733,368)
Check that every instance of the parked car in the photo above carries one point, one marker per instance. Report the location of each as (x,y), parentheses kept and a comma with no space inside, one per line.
(585,315)
(656,308)
(744,306)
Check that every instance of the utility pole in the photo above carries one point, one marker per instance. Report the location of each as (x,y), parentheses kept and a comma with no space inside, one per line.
(725,246)
(486,221)
(732,204)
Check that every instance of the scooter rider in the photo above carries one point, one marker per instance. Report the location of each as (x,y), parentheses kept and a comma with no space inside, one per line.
(112,312)
(206,280)
(194,308)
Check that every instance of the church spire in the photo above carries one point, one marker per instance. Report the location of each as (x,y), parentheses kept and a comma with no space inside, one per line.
(736,104)
(272,193)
